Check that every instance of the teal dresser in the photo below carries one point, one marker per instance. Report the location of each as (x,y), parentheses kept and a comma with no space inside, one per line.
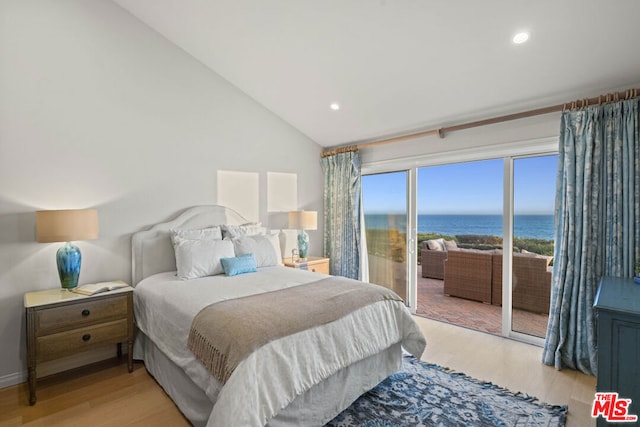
(617,305)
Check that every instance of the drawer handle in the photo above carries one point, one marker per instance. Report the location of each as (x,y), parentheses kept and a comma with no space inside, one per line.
(86,312)
(86,337)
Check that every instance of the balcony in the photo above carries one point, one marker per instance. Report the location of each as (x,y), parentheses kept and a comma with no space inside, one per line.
(434,304)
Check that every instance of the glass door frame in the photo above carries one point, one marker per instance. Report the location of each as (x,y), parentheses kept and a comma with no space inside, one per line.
(507,248)
(412,245)
(508,152)
(411,265)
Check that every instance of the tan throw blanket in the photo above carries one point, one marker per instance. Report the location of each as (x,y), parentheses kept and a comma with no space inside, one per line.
(225,333)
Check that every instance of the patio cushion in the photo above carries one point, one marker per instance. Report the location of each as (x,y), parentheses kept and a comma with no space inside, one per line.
(435,244)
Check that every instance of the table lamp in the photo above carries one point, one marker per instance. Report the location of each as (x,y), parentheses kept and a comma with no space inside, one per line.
(303,220)
(65,226)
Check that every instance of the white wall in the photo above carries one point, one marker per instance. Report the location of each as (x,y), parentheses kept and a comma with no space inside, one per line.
(97,110)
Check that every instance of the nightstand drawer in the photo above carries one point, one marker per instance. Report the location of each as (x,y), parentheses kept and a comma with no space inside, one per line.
(71,342)
(320,268)
(76,315)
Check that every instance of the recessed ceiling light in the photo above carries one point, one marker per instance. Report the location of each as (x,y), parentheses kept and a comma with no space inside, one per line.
(334,106)
(520,38)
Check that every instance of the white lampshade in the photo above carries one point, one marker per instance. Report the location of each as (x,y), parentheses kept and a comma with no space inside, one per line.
(303,220)
(66,225)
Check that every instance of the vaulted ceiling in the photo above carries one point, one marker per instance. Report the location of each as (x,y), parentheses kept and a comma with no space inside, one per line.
(402,65)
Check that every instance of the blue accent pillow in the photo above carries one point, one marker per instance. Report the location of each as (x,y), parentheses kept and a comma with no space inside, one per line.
(239,265)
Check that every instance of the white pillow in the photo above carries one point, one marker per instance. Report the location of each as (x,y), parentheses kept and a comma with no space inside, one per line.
(249,229)
(199,258)
(210,233)
(436,244)
(265,249)
(450,245)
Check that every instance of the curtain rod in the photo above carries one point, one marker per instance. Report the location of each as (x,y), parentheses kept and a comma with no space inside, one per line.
(339,150)
(440,132)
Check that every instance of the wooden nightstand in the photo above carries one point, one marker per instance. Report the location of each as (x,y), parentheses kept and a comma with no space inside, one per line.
(313,263)
(61,323)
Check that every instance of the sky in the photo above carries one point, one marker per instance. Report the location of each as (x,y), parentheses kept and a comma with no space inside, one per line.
(466,188)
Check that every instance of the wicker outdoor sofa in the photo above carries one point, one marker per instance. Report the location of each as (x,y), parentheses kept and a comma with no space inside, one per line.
(477,275)
(468,274)
(531,282)
(432,262)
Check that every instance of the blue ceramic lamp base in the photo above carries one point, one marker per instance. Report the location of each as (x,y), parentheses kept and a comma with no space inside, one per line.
(69,260)
(303,244)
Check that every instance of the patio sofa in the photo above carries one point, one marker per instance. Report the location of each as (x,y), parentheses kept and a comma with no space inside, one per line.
(468,273)
(477,275)
(531,282)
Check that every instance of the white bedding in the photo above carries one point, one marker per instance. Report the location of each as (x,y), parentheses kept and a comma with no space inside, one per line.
(273,376)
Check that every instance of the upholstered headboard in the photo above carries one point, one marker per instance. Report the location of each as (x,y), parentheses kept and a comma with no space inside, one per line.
(151,250)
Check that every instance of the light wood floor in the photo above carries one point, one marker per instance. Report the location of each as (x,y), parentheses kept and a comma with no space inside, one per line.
(106,394)
(510,364)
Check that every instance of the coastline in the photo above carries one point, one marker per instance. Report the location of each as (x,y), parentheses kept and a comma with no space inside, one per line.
(391,243)
(530,226)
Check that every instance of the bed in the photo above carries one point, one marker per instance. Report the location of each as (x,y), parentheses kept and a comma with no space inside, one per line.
(305,378)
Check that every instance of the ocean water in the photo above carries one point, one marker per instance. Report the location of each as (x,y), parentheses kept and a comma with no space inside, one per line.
(531,226)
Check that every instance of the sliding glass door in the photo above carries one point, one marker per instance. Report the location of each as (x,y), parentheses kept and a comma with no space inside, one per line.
(385,200)
(533,242)
(467,237)
(460,205)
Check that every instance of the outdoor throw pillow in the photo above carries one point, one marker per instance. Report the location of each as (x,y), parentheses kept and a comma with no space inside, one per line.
(450,245)
(436,244)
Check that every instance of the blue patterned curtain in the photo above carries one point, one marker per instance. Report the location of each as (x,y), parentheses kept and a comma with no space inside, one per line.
(342,187)
(597,231)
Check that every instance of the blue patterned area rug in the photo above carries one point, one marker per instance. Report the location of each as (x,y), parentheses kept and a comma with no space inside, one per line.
(423,394)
